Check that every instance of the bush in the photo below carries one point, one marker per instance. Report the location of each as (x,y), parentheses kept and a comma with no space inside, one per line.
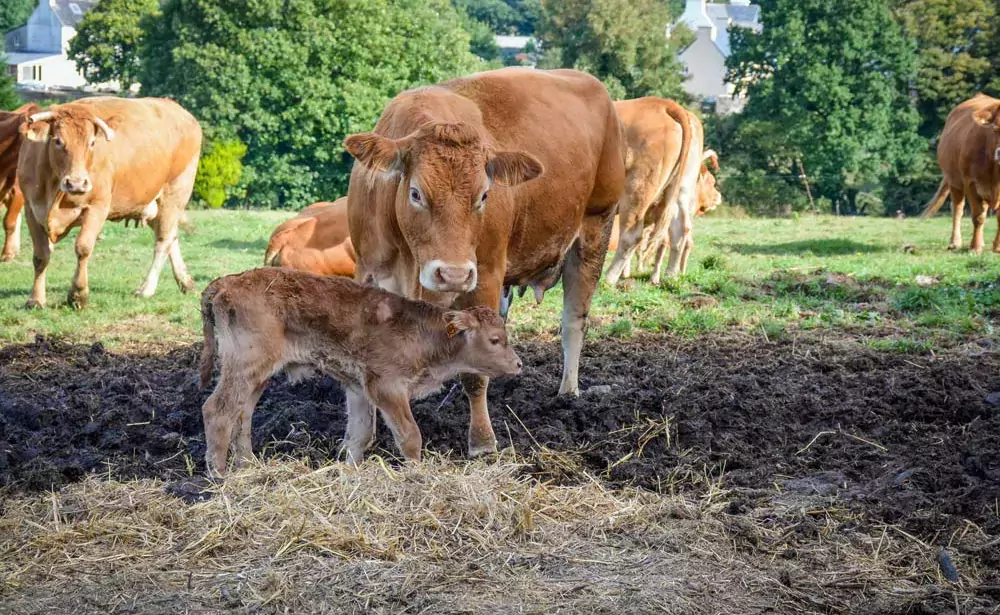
(219,169)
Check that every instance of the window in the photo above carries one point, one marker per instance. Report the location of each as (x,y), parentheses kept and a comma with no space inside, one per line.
(12,70)
(73,6)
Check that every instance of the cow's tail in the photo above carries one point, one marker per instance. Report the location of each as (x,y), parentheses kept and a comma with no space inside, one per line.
(208,353)
(937,202)
(673,187)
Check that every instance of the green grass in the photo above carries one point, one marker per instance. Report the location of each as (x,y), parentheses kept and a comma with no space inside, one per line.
(770,277)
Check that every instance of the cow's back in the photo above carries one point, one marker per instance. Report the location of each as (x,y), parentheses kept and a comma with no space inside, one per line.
(155,141)
(963,151)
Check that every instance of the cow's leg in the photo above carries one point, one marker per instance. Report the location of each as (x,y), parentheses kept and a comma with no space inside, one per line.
(184,281)
(688,247)
(581,272)
(482,439)
(12,226)
(42,250)
(394,404)
(957,209)
(978,210)
(661,248)
(93,221)
(628,241)
(173,200)
(165,231)
(679,232)
(360,434)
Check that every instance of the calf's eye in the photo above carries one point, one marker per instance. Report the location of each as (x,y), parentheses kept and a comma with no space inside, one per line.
(495,341)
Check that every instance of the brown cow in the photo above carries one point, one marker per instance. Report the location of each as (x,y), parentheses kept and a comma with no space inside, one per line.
(969,156)
(664,159)
(383,348)
(106,158)
(505,178)
(316,240)
(10,193)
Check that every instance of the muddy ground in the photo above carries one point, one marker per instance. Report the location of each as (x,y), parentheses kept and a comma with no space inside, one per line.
(903,439)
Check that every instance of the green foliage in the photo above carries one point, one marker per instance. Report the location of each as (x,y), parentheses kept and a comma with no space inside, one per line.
(504,16)
(108,39)
(292,78)
(483,42)
(15,13)
(219,169)
(829,85)
(8,96)
(622,42)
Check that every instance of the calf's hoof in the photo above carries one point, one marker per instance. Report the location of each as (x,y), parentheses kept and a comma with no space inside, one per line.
(78,299)
(33,304)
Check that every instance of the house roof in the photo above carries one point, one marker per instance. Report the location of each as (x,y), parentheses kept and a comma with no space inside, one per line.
(26,58)
(70,12)
(512,42)
(718,17)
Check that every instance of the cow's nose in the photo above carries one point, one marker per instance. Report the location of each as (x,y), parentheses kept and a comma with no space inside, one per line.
(76,185)
(454,276)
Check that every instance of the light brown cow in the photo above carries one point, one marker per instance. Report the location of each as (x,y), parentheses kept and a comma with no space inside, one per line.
(383,348)
(316,240)
(10,193)
(506,178)
(105,158)
(664,159)
(708,199)
(969,156)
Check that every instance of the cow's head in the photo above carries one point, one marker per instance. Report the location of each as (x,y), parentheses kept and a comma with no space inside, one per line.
(445,173)
(990,116)
(708,193)
(70,134)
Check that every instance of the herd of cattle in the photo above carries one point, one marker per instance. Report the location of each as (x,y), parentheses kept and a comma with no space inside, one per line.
(463,192)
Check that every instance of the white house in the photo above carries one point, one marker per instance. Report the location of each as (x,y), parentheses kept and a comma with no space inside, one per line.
(704,60)
(36,52)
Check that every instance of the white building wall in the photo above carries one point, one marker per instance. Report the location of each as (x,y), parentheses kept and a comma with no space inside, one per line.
(706,68)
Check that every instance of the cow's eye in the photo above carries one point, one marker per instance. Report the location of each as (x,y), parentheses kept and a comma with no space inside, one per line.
(416,198)
(92,142)
(59,142)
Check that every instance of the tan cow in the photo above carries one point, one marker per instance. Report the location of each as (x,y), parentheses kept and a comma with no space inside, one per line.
(383,348)
(505,178)
(105,158)
(969,156)
(10,193)
(316,240)
(665,144)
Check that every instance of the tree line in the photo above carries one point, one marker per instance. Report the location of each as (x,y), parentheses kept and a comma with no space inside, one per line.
(845,97)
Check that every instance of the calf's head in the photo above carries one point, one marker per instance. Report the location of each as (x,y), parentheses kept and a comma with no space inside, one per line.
(485,348)
(990,116)
(445,173)
(70,133)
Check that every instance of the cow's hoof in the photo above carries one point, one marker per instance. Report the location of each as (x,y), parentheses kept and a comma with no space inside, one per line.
(187,285)
(143,292)
(482,449)
(32,304)
(953,246)
(6,258)
(78,299)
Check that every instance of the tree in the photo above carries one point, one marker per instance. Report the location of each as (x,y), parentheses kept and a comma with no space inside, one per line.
(108,39)
(8,96)
(292,78)
(219,169)
(834,78)
(954,39)
(504,16)
(622,42)
(15,13)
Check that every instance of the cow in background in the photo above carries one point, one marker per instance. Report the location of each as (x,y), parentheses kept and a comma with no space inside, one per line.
(317,240)
(969,156)
(104,158)
(501,179)
(10,193)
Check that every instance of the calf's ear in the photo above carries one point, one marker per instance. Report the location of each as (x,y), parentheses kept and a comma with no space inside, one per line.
(378,153)
(513,168)
(458,321)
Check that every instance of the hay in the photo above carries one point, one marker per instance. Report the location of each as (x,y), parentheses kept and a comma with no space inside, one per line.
(442,537)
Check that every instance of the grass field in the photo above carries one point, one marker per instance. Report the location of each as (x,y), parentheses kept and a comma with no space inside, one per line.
(772,276)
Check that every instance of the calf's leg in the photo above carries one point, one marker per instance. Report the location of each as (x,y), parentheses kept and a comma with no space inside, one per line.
(229,410)
(394,403)
(360,433)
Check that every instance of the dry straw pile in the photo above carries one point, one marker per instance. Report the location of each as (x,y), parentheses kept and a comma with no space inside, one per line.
(439,537)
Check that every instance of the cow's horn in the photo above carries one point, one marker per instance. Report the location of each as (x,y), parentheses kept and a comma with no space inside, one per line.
(108,133)
(41,116)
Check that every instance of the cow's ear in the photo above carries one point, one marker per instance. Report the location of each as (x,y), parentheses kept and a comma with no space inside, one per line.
(513,168)
(460,320)
(987,116)
(378,153)
(36,131)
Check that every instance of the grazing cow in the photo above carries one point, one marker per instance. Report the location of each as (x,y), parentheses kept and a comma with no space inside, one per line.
(664,159)
(469,188)
(969,156)
(10,193)
(383,348)
(708,199)
(316,240)
(106,158)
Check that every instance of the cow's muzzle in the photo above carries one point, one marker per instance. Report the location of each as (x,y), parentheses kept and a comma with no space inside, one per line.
(75,185)
(442,277)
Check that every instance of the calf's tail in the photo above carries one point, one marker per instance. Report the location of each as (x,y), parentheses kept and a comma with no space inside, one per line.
(208,329)
(935,204)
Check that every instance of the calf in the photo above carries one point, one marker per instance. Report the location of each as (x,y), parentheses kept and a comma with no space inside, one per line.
(383,348)
(316,240)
